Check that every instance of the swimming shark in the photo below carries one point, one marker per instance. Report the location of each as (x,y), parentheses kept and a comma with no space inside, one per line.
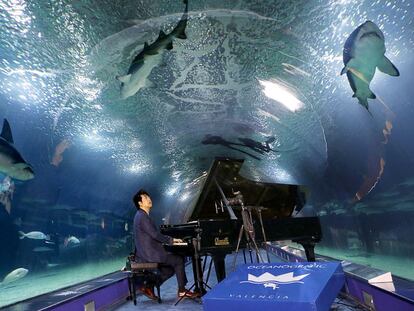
(11,162)
(150,57)
(364,52)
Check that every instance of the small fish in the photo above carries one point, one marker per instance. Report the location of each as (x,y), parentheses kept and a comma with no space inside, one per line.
(15,275)
(60,148)
(35,235)
(363,53)
(71,241)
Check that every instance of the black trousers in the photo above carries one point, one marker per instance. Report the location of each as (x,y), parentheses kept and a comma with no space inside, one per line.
(174,264)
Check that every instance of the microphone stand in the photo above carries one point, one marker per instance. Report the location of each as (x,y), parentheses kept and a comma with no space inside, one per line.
(248,229)
(247,226)
(259,212)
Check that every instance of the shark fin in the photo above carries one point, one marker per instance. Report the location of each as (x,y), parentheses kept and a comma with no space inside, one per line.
(124,79)
(170,46)
(161,35)
(6,132)
(182,36)
(350,64)
(387,67)
(371,95)
(145,45)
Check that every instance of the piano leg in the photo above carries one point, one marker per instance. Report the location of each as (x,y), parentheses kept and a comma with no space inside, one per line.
(309,250)
(219,266)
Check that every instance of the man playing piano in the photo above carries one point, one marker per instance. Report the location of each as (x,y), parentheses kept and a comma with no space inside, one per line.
(149,247)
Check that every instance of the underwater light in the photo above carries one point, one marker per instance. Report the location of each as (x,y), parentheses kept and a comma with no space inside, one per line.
(137,168)
(93,138)
(172,190)
(282,94)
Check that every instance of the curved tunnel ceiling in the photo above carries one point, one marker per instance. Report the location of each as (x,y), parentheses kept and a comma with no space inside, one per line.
(257,80)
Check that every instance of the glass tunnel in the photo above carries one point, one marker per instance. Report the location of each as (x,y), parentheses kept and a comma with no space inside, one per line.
(101,98)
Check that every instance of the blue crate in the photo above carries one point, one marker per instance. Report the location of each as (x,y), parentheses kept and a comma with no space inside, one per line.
(304,286)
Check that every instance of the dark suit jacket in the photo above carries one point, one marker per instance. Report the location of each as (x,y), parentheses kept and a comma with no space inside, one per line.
(148,240)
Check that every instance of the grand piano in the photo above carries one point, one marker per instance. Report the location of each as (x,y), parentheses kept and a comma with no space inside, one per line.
(217,217)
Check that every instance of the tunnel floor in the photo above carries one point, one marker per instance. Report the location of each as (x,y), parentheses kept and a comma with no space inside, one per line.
(169,293)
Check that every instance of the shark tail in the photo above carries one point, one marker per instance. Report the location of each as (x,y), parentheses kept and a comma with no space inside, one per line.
(22,235)
(364,102)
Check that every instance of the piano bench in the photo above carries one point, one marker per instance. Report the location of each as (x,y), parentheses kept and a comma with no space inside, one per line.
(145,273)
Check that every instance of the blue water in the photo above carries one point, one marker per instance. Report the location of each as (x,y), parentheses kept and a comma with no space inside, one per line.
(91,150)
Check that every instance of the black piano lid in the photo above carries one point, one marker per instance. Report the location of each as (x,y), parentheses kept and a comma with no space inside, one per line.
(277,200)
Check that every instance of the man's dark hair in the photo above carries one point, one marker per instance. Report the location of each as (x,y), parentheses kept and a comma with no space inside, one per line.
(137,197)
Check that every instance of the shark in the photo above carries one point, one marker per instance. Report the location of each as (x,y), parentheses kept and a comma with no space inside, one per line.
(150,57)
(364,52)
(11,162)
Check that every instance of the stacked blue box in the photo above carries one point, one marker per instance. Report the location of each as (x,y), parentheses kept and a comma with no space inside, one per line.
(304,286)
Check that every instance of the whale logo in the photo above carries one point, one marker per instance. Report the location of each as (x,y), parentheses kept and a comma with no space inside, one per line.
(269,280)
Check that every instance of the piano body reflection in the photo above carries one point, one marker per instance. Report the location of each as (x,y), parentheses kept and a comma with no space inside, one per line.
(216,217)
